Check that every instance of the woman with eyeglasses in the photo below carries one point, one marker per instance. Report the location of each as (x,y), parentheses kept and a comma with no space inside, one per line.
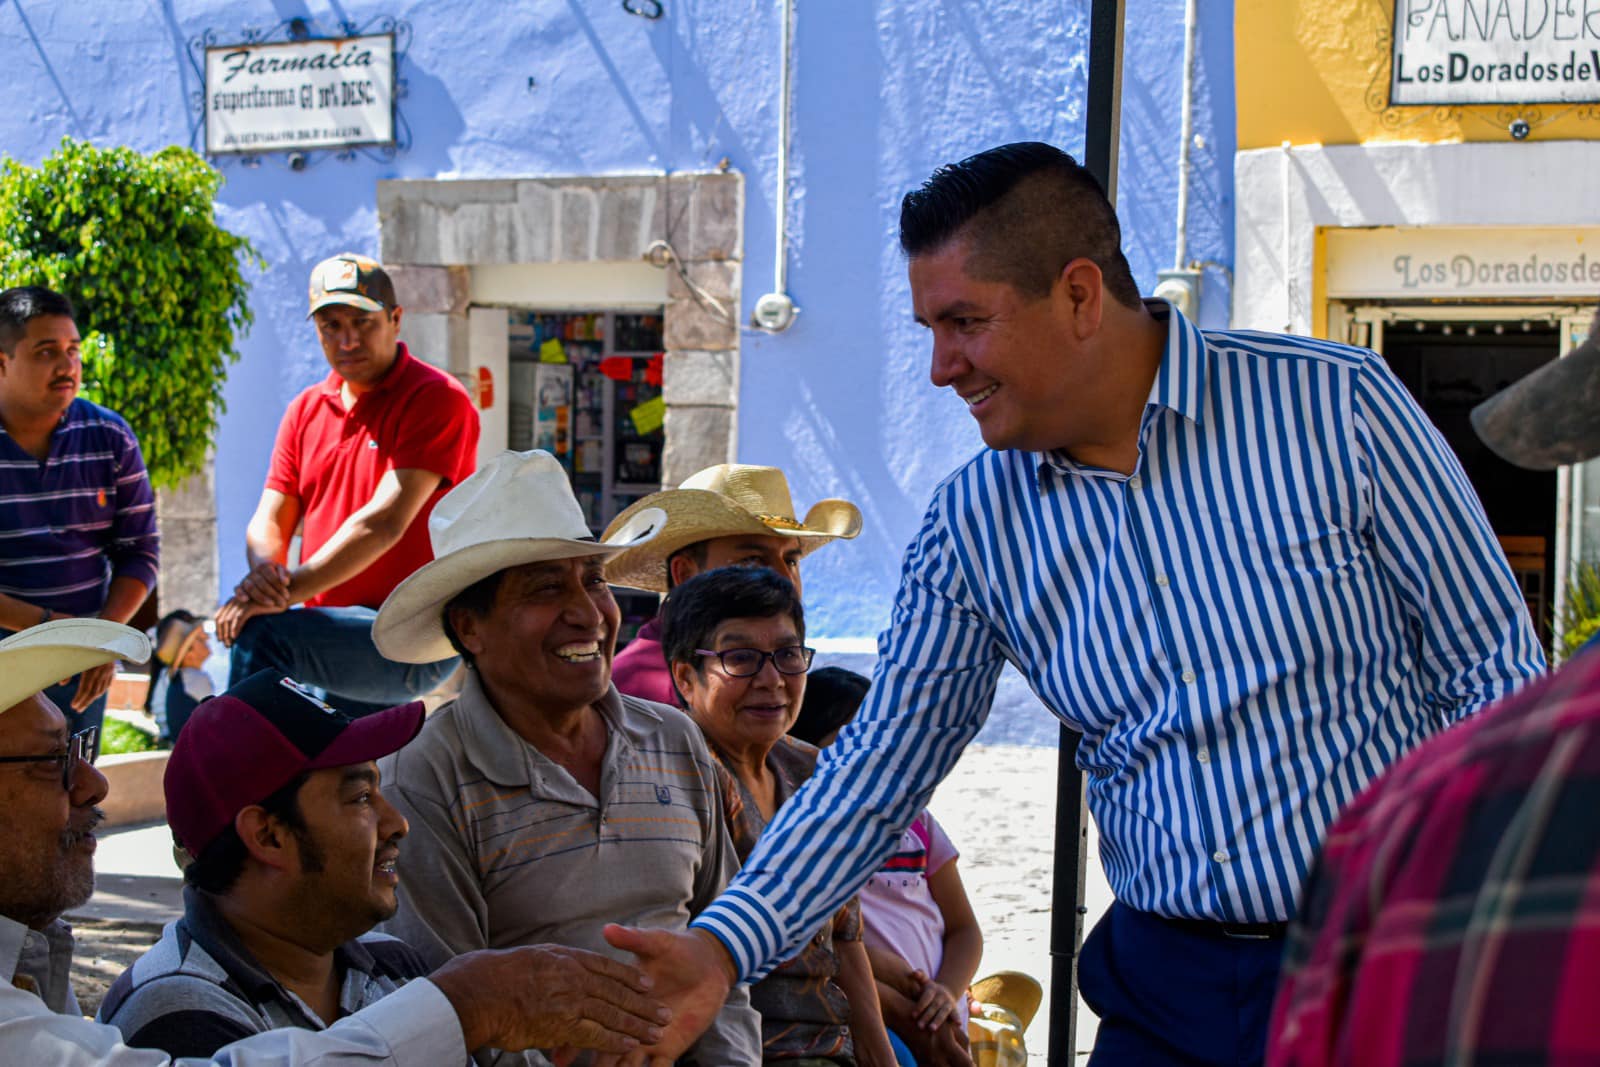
(734,640)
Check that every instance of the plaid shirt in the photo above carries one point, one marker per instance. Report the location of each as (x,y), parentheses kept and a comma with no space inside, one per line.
(1454,913)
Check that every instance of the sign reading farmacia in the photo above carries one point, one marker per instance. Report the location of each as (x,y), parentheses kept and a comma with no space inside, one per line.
(301,94)
(1495,52)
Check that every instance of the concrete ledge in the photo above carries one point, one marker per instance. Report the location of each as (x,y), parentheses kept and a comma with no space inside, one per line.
(135,794)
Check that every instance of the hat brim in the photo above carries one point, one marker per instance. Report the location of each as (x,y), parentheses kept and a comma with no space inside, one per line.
(410,624)
(37,658)
(1549,418)
(1018,993)
(372,737)
(695,515)
(355,300)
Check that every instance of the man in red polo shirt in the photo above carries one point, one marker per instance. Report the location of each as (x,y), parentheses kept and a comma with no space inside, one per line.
(360,460)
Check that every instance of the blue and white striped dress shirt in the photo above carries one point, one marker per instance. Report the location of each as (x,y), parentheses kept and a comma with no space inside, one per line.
(1296,585)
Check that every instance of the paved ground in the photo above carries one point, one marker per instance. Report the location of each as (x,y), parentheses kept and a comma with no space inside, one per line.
(998,807)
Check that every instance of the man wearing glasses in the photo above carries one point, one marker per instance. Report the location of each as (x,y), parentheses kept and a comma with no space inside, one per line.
(49,790)
(543,803)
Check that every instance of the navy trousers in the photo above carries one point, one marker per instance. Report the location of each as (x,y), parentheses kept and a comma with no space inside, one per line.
(1171,996)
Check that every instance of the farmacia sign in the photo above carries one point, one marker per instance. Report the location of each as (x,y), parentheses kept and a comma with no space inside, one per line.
(323,93)
(1495,52)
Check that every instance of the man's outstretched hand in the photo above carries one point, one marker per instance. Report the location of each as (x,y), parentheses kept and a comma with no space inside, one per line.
(691,972)
(550,997)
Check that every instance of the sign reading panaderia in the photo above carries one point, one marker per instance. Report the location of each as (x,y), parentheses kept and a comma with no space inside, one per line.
(1495,52)
(323,93)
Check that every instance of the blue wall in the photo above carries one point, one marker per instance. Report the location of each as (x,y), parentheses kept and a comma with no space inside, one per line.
(884,91)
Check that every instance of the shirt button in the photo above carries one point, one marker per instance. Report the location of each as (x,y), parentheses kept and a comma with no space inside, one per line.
(1221,855)
(1135,482)
(1187,677)
(1204,755)
(1161,580)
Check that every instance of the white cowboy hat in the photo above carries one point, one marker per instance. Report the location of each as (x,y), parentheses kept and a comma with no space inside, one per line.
(34,659)
(518,508)
(722,501)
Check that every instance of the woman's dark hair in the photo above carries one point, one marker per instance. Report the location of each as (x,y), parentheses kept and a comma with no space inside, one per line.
(1028,210)
(476,600)
(697,607)
(168,621)
(217,868)
(833,696)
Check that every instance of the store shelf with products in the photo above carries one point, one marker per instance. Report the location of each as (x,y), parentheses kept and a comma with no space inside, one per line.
(586,387)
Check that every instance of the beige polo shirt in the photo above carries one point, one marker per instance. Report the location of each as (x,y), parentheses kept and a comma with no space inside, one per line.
(506,848)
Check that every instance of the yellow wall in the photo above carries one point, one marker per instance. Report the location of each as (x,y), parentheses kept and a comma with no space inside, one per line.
(1317,71)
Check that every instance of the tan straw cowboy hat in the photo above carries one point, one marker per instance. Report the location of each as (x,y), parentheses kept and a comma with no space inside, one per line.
(518,508)
(722,501)
(40,656)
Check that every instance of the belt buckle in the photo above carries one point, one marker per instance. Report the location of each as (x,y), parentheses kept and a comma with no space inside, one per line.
(1237,933)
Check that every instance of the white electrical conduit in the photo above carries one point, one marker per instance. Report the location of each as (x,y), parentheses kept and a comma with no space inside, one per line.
(780,271)
(1180,253)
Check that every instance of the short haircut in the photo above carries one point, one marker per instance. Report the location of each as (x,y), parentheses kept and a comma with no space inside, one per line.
(1028,209)
(22,305)
(217,868)
(700,551)
(476,600)
(833,696)
(697,607)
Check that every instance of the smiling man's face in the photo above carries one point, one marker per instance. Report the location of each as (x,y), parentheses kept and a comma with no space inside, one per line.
(47,837)
(41,374)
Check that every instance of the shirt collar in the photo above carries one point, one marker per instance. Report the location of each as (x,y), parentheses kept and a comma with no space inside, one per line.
(333,383)
(1181,379)
(205,924)
(505,758)
(1179,386)
(12,936)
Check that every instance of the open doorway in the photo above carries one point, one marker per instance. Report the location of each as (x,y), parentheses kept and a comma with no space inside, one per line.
(1452,366)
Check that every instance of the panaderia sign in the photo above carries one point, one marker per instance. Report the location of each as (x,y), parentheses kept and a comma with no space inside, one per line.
(324,93)
(1495,52)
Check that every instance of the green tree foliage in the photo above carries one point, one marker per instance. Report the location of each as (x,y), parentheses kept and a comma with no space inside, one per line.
(159,286)
(1581,618)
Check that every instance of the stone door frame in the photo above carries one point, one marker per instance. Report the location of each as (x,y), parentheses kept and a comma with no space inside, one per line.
(432,231)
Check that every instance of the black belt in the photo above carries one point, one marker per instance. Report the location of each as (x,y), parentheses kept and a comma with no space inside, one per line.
(1230,931)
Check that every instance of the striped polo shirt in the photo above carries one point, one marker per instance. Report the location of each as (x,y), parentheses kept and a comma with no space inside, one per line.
(507,849)
(1294,586)
(199,988)
(85,515)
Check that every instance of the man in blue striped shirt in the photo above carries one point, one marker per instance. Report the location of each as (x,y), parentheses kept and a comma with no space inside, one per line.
(1244,565)
(77,518)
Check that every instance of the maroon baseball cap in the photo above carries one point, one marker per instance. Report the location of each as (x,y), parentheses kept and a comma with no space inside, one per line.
(240,747)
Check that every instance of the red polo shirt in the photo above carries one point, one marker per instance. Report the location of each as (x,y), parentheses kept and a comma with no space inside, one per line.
(330,459)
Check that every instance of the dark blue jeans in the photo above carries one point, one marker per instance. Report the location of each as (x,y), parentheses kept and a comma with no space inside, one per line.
(1169,997)
(332,649)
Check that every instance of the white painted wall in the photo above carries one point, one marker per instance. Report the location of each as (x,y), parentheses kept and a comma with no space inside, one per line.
(1283,195)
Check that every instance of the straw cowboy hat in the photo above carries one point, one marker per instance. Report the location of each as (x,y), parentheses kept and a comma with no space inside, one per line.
(722,501)
(40,656)
(1552,416)
(518,508)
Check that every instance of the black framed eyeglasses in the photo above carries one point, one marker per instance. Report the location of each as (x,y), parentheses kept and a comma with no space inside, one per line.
(747,662)
(80,749)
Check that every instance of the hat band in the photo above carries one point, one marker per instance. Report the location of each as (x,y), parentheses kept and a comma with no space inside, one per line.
(781,522)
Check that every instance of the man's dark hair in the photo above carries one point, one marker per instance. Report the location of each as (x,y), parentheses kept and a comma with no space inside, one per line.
(700,551)
(23,304)
(833,696)
(697,607)
(476,600)
(1028,209)
(217,868)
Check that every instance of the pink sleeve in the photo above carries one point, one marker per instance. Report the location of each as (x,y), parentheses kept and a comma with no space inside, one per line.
(940,848)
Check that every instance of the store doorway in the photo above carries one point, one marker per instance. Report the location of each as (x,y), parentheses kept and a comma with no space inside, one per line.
(585,386)
(1452,366)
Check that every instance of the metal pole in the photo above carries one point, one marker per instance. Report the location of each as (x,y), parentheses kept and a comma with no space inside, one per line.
(1066,923)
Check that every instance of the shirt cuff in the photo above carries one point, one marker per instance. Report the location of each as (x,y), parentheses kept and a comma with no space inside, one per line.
(418,1025)
(748,927)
